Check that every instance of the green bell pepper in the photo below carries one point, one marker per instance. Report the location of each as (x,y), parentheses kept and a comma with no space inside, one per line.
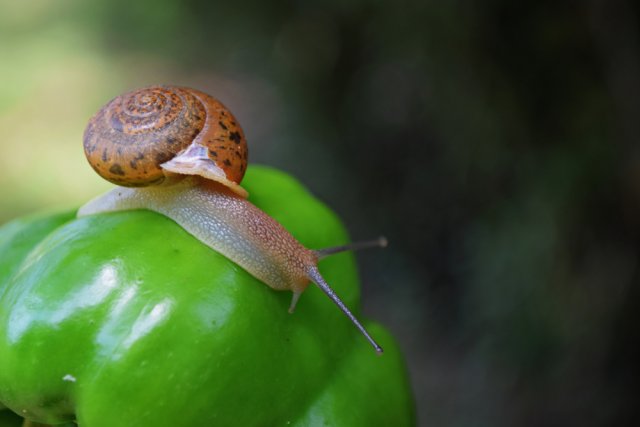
(124,319)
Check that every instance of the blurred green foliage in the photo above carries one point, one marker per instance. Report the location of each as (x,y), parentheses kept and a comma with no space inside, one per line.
(494,143)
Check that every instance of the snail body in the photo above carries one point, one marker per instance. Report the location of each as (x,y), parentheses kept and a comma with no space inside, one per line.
(181,153)
(211,213)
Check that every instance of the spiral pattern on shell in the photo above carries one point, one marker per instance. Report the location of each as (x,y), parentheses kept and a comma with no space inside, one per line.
(128,140)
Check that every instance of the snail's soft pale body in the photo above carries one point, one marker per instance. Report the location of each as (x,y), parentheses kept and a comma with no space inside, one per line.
(220,219)
(191,187)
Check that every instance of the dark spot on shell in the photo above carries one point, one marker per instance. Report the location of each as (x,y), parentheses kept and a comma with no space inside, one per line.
(162,157)
(235,137)
(213,153)
(116,169)
(222,125)
(227,162)
(133,164)
(104,155)
(171,140)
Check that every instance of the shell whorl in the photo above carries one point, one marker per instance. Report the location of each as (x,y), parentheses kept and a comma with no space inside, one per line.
(132,136)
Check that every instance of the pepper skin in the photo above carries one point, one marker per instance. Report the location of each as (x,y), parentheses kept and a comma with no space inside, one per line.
(124,319)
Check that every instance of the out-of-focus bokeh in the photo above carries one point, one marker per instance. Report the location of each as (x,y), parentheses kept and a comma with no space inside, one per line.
(494,143)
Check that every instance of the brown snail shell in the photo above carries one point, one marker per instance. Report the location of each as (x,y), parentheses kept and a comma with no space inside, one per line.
(142,137)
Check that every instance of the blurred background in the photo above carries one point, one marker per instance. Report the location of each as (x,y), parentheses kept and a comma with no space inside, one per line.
(494,143)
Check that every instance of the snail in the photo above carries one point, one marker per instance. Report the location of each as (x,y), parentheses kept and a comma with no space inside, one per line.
(179,152)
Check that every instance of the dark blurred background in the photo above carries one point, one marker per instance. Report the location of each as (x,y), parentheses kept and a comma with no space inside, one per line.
(495,143)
